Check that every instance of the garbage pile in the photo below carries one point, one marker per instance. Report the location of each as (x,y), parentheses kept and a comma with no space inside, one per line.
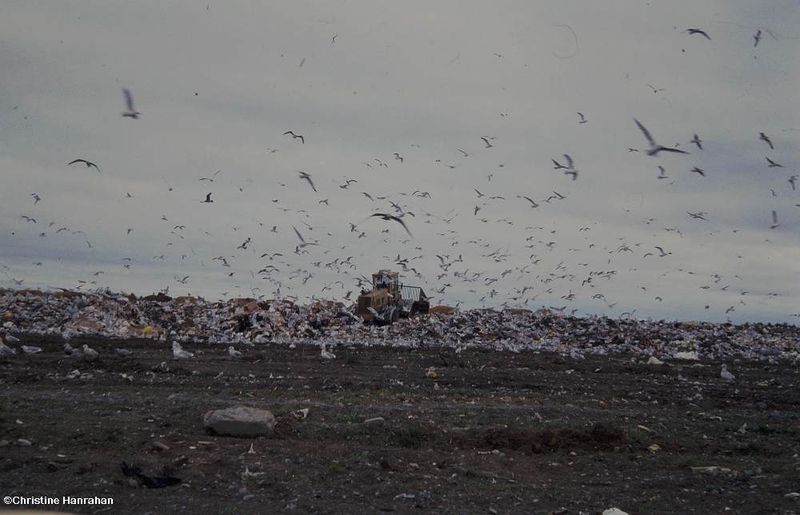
(69,314)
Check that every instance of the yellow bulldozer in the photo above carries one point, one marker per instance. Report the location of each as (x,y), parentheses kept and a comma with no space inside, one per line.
(390,300)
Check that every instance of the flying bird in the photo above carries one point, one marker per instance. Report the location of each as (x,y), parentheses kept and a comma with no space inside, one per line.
(757,38)
(697,141)
(699,32)
(211,179)
(36,198)
(698,171)
(131,112)
(792,181)
(662,253)
(207,200)
(295,136)
(486,140)
(302,240)
(654,147)
(583,118)
(304,175)
(773,164)
(392,218)
(84,161)
(763,137)
(559,166)
(774,219)
(662,173)
(533,203)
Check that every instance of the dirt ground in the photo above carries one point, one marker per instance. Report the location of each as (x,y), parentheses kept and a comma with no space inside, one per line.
(480,432)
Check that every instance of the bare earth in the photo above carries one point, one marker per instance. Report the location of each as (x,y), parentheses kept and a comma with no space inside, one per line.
(481,432)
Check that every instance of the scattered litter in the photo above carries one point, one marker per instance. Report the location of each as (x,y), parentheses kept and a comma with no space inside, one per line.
(301,413)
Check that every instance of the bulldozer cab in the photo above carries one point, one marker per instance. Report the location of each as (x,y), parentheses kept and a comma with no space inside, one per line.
(390,300)
(386,280)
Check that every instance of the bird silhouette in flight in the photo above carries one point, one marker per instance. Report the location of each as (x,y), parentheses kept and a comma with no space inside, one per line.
(699,32)
(655,148)
(88,164)
(388,217)
(295,136)
(131,112)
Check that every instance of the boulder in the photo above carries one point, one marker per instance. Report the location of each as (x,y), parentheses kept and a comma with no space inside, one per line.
(240,421)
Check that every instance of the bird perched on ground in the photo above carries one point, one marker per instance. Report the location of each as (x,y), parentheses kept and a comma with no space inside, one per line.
(392,218)
(5,350)
(325,353)
(71,351)
(179,353)
(131,112)
(726,375)
(84,161)
(295,136)
(654,147)
(31,349)
(11,338)
(89,353)
(123,352)
(233,352)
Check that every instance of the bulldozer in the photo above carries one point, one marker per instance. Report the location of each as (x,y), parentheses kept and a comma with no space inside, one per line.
(390,300)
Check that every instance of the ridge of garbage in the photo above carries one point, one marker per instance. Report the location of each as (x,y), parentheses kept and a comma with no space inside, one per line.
(69,314)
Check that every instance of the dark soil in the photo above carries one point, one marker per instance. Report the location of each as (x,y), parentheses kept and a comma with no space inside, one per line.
(480,432)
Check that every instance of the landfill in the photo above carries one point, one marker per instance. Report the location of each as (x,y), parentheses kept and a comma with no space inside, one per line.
(70,314)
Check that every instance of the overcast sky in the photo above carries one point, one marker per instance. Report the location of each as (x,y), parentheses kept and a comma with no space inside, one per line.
(218,84)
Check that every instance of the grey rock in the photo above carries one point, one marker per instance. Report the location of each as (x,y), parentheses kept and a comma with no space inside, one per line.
(240,421)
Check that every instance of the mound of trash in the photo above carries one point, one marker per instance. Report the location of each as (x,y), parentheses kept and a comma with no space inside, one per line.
(69,314)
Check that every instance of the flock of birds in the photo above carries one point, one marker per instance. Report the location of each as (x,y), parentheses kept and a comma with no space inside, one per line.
(527,283)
